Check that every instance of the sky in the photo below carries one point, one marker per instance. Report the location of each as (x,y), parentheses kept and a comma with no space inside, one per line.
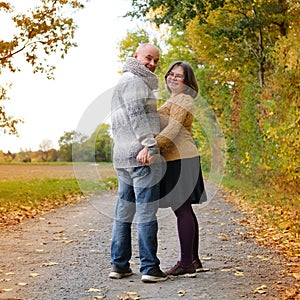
(50,108)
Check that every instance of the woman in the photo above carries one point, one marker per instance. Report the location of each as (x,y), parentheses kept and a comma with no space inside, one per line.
(182,184)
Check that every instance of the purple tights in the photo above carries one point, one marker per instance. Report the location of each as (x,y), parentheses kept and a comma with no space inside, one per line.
(188,233)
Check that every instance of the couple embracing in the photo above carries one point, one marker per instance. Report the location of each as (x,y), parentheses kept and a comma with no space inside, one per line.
(157,165)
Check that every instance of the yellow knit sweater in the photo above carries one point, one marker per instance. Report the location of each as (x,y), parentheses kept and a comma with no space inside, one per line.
(176,117)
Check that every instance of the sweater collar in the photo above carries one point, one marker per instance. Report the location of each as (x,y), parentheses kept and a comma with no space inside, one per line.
(135,67)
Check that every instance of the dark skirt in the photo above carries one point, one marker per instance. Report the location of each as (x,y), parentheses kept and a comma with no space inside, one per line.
(182,181)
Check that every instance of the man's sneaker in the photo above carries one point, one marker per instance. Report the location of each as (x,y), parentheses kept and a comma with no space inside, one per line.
(118,273)
(154,275)
(180,270)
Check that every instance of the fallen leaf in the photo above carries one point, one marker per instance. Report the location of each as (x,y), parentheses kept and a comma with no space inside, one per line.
(205,258)
(93,290)
(181,293)
(5,290)
(121,297)
(133,295)
(10,273)
(22,283)
(34,274)
(297,275)
(49,264)
(223,237)
(238,273)
(68,241)
(261,289)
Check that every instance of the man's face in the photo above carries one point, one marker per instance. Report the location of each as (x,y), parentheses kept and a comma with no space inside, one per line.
(148,56)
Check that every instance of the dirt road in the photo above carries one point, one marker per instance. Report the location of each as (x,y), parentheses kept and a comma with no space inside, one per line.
(65,254)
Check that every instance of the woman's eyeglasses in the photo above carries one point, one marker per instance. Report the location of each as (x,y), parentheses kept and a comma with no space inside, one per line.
(175,76)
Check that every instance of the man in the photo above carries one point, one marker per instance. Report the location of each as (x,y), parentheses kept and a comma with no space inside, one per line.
(135,122)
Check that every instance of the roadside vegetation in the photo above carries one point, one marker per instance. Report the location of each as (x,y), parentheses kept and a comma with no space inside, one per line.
(34,194)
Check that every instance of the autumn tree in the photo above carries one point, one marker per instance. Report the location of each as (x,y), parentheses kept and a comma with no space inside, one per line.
(45,30)
(175,13)
(248,71)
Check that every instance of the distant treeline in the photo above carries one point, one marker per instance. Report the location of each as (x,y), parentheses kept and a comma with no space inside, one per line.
(73,146)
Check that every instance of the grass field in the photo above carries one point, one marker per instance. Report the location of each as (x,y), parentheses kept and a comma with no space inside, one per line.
(25,171)
(27,190)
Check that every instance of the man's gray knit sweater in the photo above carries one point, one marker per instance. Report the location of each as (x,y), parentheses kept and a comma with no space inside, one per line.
(134,117)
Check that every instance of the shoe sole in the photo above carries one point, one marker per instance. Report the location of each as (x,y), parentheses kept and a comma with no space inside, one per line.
(115,275)
(187,275)
(148,278)
(200,270)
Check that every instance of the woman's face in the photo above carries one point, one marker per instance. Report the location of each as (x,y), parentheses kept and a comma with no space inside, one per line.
(175,80)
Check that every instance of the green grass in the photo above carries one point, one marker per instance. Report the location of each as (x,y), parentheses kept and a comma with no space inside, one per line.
(26,198)
(254,193)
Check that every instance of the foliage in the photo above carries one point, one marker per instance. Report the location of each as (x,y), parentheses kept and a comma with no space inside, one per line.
(279,117)
(272,214)
(66,142)
(128,45)
(43,31)
(96,148)
(103,143)
(246,59)
(175,13)
(75,146)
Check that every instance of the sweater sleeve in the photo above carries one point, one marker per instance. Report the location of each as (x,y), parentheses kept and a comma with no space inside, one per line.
(141,108)
(178,113)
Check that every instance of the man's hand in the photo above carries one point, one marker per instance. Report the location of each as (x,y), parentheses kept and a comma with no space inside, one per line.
(144,157)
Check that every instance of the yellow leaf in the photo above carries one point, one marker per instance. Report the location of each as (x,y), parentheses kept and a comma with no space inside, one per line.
(67,241)
(10,273)
(261,289)
(49,264)
(205,258)
(22,283)
(297,275)
(238,273)
(91,290)
(123,297)
(6,290)
(34,274)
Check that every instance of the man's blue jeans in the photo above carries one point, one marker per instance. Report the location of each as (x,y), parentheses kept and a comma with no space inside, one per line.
(138,194)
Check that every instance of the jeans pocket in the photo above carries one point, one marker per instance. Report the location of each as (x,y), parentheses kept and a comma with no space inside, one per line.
(141,171)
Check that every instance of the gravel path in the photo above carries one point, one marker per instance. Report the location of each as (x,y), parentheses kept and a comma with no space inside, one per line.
(65,254)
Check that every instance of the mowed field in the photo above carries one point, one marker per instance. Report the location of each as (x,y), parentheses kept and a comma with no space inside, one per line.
(12,172)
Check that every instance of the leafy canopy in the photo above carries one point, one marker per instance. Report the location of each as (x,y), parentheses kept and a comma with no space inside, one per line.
(42,31)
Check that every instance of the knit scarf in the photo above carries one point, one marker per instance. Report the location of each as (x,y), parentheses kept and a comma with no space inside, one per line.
(135,67)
